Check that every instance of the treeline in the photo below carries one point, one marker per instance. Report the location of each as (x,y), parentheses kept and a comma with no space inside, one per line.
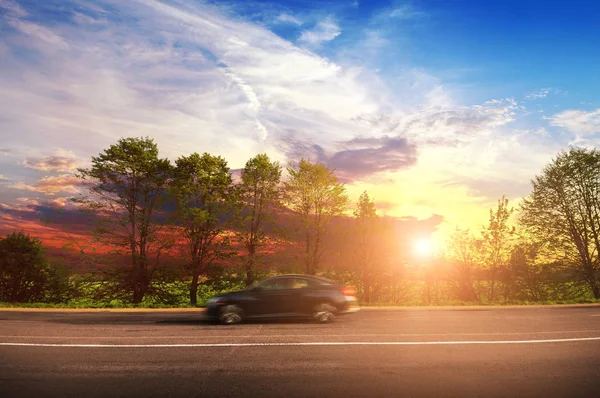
(181,231)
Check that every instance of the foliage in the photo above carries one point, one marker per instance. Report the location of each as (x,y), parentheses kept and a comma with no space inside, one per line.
(314,192)
(564,210)
(368,244)
(201,186)
(259,193)
(26,275)
(127,186)
(496,243)
(464,252)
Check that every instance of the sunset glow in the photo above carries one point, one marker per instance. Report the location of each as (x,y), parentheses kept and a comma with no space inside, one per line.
(424,248)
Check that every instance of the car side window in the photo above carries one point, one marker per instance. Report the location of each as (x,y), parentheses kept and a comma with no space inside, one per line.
(276,284)
(298,283)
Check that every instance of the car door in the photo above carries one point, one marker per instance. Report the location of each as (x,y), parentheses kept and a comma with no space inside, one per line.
(298,298)
(271,297)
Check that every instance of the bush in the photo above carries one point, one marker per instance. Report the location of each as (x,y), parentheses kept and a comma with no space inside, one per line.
(25,274)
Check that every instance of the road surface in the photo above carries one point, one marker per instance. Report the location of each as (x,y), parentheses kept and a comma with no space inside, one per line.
(491,352)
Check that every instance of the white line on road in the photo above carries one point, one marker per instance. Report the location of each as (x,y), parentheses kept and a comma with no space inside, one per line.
(310,343)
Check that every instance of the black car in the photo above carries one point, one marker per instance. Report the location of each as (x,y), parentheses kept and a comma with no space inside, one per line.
(284,296)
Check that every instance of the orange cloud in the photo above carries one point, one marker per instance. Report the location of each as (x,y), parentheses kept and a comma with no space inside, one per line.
(51,163)
(51,185)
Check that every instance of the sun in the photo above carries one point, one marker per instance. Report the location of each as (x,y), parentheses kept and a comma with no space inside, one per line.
(424,247)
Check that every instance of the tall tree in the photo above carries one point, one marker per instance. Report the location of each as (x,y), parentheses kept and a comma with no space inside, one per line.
(315,193)
(496,243)
(367,244)
(564,210)
(201,186)
(127,188)
(258,193)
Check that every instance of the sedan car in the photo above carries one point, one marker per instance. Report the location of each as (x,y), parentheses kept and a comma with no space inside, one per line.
(282,297)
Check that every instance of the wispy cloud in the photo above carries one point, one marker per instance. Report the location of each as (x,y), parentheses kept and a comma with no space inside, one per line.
(288,19)
(325,30)
(578,122)
(538,94)
(406,12)
(51,163)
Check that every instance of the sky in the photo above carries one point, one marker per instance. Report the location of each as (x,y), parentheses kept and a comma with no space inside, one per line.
(436,108)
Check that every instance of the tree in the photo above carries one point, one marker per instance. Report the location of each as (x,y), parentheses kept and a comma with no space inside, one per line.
(258,194)
(367,245)
(25,275)
(564,210)
(528,271)
(314,192)
(464,253)
(496,243)
(201,187)
(127,188)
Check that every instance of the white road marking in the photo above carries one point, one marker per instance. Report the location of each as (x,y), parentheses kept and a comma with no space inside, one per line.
(310,343)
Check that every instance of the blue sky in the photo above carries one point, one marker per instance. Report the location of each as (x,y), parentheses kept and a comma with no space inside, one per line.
(435,107)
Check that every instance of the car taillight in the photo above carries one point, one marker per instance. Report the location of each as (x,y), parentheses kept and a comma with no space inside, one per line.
(349,291)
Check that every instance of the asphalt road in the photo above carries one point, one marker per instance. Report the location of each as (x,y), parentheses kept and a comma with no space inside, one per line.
(526,352)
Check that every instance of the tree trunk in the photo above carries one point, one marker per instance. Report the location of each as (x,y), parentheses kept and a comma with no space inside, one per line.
(491,297)
(250,271)
(367,290)
(194,289)
(596,289)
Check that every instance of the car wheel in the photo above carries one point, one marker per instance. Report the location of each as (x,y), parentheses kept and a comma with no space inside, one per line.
(324,313)
(231,315)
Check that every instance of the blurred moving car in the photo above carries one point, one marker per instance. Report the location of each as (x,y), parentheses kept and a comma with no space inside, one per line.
(283,297)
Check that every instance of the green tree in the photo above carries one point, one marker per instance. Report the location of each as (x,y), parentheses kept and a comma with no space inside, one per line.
(26,275)
(314,192)
(528,271)
(127,189)
(201,187)
(564,210)
(496,242)
(259,193)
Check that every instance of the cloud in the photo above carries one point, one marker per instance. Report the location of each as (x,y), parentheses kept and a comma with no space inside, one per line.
(12,9)
(288,19)
(539,94)
(51,185)
(186,75)
(406,12)
(578,122)
(359,157)
(51,163)
(3,179)
(325,30)
(7,152)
